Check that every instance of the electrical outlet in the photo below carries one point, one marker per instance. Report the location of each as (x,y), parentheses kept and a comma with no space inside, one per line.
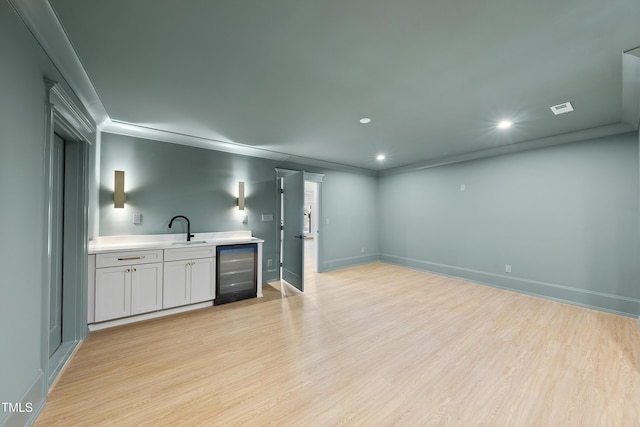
(463,187)
(137,218)
(362,250)
(507,268)
(269,263)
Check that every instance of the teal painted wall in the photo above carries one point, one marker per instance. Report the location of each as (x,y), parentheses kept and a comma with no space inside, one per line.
(163,180)
(565,218)
(350,203)
(22,212)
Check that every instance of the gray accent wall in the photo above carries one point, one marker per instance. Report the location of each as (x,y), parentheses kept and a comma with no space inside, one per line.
(349,221)
(163,180)
(22,215)
(565,219)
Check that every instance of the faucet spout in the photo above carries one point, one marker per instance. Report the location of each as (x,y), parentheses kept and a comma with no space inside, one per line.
(189,235)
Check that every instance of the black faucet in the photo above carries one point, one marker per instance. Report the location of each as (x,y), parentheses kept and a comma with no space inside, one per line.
(189,235)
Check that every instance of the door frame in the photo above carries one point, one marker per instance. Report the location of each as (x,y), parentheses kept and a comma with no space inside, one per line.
(307,177)
(317,179)
(65,119)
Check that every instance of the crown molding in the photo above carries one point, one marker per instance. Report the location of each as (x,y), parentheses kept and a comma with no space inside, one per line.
(582,135)
(130,129)
(43,23)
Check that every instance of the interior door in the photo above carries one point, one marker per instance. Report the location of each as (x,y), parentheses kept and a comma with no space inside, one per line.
(293,235)
(57,233)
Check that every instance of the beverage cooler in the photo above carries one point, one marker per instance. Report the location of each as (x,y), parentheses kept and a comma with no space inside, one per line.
(236,272)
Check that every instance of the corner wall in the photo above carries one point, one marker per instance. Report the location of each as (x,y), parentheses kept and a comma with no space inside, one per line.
(565,219)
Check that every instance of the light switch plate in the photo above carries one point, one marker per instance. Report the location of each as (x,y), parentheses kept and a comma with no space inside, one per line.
(137,218)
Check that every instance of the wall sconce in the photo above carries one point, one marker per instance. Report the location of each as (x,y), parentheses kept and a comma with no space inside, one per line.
(119,195)
(240,199)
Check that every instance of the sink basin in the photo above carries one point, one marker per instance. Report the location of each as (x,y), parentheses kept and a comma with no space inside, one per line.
(193,242)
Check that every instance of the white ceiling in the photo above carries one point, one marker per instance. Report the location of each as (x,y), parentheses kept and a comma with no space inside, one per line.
(294,77)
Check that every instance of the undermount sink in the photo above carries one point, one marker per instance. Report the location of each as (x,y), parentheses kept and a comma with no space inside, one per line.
(192,242)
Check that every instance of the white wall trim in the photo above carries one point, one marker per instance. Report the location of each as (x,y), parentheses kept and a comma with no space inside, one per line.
(67,108)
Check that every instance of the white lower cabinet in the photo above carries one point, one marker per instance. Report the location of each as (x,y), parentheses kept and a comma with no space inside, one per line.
(188,282)
(129,283)
(113,293)
(203,279)
(127,290)
(146,288)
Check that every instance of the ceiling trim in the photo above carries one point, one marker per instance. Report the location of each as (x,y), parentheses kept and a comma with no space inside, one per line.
(582,135)
(41,20)
(137,131)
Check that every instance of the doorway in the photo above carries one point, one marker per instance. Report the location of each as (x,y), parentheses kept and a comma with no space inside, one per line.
(64,286)
(299,224)
(67,255)
(311,218)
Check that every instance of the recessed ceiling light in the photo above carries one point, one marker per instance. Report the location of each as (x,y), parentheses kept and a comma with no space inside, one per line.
(365,120)
(505,124)
(380,157)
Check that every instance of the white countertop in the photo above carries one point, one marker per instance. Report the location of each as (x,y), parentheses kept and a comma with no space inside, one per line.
(167,241)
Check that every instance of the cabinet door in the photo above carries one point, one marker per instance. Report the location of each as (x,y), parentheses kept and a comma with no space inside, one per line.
(113,293)
(203,279)
(177,278)
(146,288)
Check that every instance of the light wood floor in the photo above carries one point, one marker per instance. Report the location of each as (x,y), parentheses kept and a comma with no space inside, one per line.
(371,345)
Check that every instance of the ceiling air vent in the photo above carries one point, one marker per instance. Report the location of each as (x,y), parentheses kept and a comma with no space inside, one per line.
(562,108)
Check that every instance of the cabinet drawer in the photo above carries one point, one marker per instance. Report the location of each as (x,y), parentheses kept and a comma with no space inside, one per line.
(189,253)
(115,259)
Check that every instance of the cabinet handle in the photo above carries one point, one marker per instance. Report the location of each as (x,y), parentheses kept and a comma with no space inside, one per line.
(130,258)
(128,270)
(135,269)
